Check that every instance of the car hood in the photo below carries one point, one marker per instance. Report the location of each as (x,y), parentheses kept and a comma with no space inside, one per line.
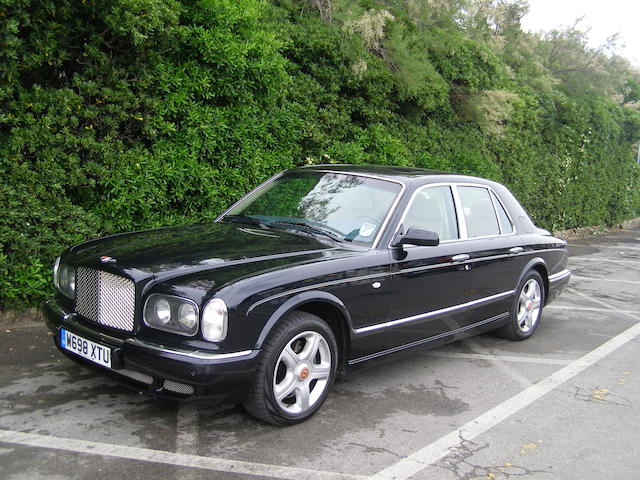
(187,249)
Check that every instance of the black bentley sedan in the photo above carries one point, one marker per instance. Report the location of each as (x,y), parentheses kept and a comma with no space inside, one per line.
(315,271)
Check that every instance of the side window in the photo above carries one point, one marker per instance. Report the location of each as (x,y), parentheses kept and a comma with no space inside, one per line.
(503,218)
(433,209)
(478,212)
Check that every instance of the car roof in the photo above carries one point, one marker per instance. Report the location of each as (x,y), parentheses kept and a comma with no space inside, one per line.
(406,175)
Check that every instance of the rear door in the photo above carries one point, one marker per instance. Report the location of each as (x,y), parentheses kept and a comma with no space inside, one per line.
(494,250)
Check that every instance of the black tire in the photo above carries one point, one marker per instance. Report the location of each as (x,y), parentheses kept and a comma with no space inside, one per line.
(300,332)
(526,311)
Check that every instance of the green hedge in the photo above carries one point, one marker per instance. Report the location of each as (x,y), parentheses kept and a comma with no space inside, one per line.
(126,114)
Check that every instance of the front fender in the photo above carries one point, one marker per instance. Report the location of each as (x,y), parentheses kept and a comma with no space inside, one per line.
(298,300)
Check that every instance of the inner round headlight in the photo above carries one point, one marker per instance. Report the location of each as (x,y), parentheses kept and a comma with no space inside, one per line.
(187,316)
(162,310)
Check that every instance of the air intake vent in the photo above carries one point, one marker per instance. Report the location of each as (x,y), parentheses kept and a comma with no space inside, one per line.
(137,376)
(177,387)
(105,298)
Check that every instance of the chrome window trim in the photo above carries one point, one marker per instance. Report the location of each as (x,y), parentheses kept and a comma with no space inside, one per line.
(462,222)
(384,223)
(433,313)
(487,187)
(413,197)
(494,197)
(559,276)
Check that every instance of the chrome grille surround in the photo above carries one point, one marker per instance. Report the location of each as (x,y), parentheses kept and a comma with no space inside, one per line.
(105,298)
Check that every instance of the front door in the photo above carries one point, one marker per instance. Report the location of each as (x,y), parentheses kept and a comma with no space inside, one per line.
(430,285)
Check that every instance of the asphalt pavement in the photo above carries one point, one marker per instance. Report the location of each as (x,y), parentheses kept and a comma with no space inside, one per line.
(562,405)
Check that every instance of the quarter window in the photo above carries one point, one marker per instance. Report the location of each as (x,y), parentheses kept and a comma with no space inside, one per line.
(479,213)
(505,224)
(433,209)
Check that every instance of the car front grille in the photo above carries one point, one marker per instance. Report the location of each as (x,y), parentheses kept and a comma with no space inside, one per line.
(105,298)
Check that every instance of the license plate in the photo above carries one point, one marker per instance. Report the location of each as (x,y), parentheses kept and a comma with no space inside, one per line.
(85,348)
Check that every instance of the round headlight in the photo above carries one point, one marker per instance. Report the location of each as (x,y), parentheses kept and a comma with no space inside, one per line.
(187,316)
(162,309)
(64,278)
(56,271)
(214,320)
(171,314)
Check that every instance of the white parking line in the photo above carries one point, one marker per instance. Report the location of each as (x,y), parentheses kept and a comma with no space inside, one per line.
(605,260)
(187,428)
(414,463)
(612,280)
(169,458)
(493,358)
(609,247)
(591,309)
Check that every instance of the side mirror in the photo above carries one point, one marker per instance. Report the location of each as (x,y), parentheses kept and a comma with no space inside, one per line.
(418,236)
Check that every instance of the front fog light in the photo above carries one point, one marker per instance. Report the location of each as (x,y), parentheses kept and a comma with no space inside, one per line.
(214,320)
(187,316)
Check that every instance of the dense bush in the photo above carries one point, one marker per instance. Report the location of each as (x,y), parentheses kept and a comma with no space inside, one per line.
(126,114)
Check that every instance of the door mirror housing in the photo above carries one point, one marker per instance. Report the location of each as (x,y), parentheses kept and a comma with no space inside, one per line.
(418,236)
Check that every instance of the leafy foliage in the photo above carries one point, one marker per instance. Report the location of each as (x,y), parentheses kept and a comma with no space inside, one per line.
(127,114)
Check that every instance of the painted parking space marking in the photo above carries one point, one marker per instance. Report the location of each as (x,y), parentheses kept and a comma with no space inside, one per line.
(419,460)
(605,260)
(502,358)
(590,309)
(612,280)
(608,247)
(169,458)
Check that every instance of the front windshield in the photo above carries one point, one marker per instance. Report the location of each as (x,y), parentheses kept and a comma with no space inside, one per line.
(345,207)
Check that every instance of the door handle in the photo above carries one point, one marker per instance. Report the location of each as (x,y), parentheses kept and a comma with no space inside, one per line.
(515,250)
(460,258)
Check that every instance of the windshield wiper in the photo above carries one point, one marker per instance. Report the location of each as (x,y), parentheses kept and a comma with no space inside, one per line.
(309,228)
(246,219)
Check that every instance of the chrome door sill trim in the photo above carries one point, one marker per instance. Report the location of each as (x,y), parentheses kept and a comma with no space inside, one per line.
(433,313)
(429,339)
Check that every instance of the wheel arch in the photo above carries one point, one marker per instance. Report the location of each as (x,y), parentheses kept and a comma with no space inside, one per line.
(539,265)
(324,305)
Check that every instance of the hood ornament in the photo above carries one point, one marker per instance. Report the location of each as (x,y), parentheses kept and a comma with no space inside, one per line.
(107,259)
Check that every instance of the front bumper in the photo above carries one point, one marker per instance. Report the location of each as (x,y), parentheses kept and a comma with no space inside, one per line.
(159,370)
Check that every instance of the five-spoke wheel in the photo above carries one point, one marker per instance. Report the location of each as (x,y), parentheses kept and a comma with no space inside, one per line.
(297,368)
(302,372)
(527,308)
